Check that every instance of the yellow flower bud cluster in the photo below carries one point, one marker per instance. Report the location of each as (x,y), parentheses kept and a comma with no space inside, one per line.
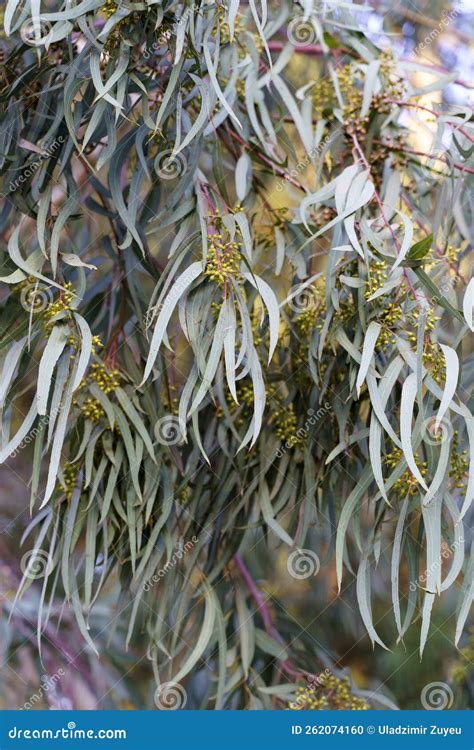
(306,321)
(258,42)
(434,363)
(431,355)
(378,275)
(216,309)
(96,343)
(223,259)
(107,380)
(245,399)
(387,62)
(323,98)
(458,464)
(239,27)
(69,476)
(407,484)
(92,409)
(391,316)
(109,8)
(334,694)
(462,670)
(283,417)
(349,83)
(313,302)
(61,304)
(240,88)
(413,319)
(280,218)
(452,255)
(184,495)
(393,85)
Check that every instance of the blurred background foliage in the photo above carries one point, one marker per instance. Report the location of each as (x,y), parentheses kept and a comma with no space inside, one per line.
(119,680)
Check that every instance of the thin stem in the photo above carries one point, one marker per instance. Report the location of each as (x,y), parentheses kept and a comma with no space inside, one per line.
(266,160)
(259,600)
(382,212)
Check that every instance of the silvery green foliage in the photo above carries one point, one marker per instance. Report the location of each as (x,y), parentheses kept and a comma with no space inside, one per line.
(241,314)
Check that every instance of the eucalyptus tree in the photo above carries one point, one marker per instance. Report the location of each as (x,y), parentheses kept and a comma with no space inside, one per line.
(236,320)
